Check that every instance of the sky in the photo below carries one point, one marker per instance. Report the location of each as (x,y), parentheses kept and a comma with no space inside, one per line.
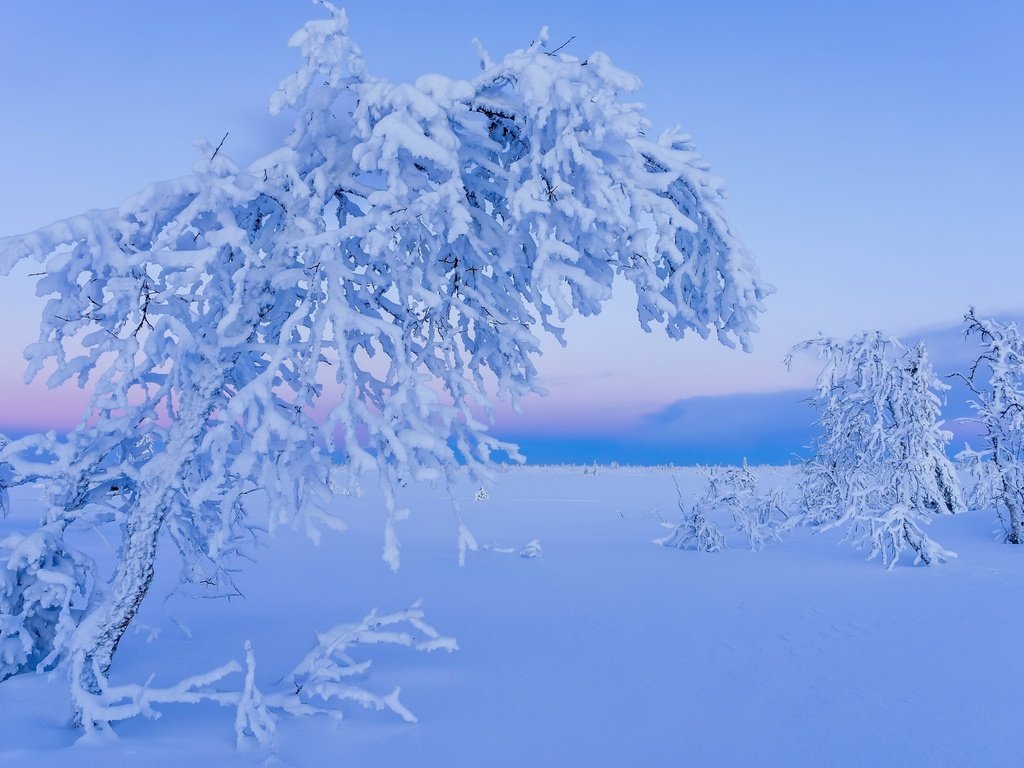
(871,151)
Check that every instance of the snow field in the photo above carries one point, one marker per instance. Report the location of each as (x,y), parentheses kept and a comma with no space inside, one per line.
(608,650)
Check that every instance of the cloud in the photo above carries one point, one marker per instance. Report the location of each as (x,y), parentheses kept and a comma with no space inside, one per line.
(763,428)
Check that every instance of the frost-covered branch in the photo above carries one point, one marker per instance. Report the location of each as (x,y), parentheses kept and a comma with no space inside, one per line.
(320,684)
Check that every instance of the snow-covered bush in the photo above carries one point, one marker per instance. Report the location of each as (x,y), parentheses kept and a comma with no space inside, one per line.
(695,530)
(997,380)
(879,466)
(728,486)
(761,518)
(409,241)
(730,491)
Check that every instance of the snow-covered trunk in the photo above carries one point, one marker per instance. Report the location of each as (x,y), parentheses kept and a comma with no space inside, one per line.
(96,639)
(1008,494)
(1016,532)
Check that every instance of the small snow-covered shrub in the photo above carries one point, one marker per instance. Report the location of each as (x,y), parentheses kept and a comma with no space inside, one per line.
(730,491)
(762,518)
(729,486)
(694,531)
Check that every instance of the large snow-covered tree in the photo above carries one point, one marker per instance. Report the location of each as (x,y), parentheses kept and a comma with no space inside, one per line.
(879,464)
(997,380)
(390,266)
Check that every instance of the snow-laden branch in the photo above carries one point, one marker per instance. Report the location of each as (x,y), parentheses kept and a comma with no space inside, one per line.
(320,684)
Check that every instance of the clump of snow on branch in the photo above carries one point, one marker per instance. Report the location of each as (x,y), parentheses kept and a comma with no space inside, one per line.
(531,550)
(408,242)
(321,683)
(879,467)
(996,378)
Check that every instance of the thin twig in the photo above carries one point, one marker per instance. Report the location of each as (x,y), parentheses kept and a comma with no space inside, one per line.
(219,146)
(552,53)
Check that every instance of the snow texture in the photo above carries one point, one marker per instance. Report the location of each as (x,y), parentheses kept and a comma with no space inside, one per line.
(589,656)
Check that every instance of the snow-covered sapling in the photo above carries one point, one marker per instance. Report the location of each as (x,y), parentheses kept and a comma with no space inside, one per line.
(390,265)
(879,465)
(997,380)
(695,530)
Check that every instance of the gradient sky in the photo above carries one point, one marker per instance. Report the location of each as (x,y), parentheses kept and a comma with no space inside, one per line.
(872,151)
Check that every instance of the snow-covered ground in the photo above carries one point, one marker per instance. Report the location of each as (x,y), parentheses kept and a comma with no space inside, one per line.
(606,651)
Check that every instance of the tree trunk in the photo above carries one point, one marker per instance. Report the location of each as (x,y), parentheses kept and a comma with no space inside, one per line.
(1016,534)
(96,638)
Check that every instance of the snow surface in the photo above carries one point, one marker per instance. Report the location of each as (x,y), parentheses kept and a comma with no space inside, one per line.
(606,650)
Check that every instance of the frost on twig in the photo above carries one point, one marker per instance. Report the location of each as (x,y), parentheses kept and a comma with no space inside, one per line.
(322,681)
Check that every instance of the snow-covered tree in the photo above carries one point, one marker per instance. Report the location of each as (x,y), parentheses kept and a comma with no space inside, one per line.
(389,266)
(879,465)
(997,380)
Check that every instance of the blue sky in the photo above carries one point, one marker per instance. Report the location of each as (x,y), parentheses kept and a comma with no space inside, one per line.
(871,149)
